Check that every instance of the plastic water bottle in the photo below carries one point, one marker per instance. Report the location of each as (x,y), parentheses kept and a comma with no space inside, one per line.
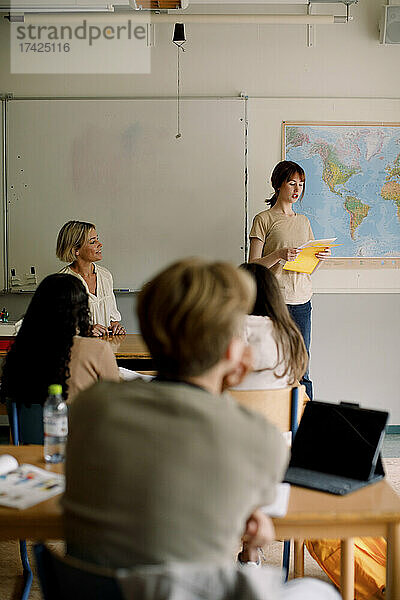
(55,424)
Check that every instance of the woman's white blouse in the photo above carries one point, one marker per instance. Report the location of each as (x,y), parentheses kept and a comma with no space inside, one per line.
(103,307)
(259,334)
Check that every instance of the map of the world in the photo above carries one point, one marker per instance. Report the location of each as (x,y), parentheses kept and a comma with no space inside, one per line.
(352,184)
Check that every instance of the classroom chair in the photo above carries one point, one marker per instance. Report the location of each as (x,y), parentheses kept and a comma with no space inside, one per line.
(26,423)
(284,408)
(67,578)
(26,428)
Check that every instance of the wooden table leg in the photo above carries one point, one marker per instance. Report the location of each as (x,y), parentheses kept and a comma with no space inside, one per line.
(393,562)
(298,558)
(347,569)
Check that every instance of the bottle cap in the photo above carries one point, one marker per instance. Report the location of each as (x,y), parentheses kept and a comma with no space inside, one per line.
(55,389)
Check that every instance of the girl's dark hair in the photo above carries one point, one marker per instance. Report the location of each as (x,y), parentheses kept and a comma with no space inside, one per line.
(285,171)
(41,352)
(269,303)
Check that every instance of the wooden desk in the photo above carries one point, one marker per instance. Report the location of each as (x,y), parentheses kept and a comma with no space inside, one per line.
(40,522)
(131,352)
(372,511)
(130,346)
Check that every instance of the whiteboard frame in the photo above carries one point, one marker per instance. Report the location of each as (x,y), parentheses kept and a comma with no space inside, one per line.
(3,194)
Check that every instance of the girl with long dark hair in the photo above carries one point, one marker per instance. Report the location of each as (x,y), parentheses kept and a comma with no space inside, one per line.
(62,352)
(279,354)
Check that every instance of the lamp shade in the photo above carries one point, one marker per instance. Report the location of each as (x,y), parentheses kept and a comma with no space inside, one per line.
(179,33)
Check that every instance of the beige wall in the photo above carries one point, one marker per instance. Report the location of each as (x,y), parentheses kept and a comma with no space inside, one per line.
(355,338)
(266,60)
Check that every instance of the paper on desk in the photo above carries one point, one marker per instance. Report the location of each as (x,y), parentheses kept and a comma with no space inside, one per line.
(128,375)
(306,260)
(279,507)
(27,485)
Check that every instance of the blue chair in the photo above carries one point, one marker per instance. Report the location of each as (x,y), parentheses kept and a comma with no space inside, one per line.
(67,578)
(282,407)
(26,428)
(26,423)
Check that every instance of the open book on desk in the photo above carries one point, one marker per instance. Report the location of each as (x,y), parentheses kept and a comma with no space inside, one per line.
(306,260)
(26,485)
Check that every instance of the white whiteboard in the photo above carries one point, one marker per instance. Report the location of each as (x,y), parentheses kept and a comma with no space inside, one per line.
(118,164)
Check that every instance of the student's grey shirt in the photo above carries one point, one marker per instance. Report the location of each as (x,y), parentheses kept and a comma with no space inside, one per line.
(159,472)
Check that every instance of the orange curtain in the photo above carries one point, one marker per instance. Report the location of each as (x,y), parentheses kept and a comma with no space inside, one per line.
(369,564)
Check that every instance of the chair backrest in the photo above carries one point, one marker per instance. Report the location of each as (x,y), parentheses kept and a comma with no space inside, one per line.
(26,423)
(66,578)
(282,407)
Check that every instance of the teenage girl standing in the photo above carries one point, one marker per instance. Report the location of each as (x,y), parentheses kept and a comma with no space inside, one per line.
(275,237)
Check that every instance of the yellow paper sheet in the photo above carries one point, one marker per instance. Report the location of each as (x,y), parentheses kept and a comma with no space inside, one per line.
(306,261)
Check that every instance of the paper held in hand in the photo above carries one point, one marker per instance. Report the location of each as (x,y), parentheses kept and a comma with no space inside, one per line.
(26,485)
(306,261)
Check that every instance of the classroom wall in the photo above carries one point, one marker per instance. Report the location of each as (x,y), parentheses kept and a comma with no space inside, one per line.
(354,353)
(267,60)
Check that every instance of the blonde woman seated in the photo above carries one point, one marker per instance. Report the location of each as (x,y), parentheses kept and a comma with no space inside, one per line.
(78,244)
(279,354)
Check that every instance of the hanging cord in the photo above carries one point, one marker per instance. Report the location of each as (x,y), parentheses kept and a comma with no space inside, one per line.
(178,91)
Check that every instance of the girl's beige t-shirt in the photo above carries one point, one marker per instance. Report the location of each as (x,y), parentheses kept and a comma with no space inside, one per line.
(277,230)
(91,359)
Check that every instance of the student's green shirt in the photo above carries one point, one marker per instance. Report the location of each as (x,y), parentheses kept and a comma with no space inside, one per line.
(160,472)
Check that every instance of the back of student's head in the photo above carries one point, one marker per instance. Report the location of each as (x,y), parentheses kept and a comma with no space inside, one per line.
(41,352)
(269,303)
(190,312)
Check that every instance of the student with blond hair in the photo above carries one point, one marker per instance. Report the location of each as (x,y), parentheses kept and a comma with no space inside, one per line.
(79,245)
(174,470)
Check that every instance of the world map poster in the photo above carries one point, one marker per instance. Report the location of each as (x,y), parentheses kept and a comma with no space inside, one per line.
(352,184)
